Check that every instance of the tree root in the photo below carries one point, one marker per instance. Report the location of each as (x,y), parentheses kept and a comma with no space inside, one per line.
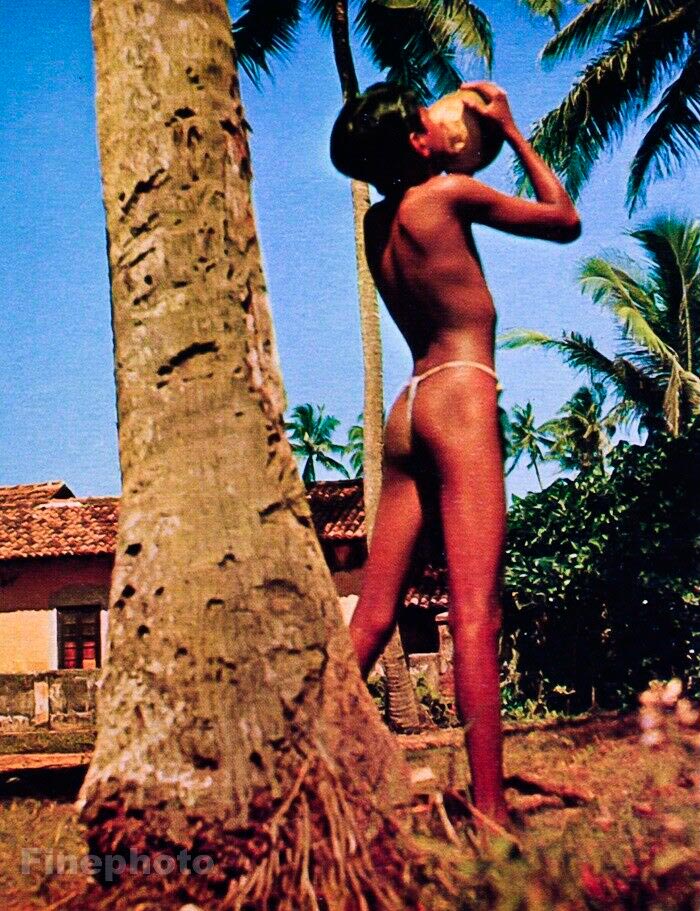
(308,852)
(529,784)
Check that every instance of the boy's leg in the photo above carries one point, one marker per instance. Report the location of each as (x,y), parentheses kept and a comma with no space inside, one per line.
(396,529)
(472,497)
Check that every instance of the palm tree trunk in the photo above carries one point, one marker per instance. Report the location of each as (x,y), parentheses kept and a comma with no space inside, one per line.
(537,473)
(402,708)
(229,667)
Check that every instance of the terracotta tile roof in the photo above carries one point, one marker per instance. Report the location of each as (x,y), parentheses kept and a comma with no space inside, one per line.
(59,528)
(31,494)
(338,509)
(44,520)
(428,589)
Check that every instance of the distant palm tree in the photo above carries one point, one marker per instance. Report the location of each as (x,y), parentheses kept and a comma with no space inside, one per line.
(527,439)
(656,305)
(644,52)
(355,447)
(581,433)
(311,437)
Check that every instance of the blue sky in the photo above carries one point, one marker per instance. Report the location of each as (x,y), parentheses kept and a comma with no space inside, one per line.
(58,419)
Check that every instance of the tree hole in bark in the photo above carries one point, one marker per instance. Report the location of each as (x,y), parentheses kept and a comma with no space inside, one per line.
(270,509)
(143,631)
(228,127)
(193,137)
(128,591)
(227,558)
(205,762)
(133,550)
(141,299)
(193,350)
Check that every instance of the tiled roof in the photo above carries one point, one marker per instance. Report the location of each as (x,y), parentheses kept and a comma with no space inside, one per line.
(429,589)
(45,520)
(31,494)
(338,509)
(59,528)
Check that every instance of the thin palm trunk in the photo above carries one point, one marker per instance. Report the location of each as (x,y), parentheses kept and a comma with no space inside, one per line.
(219,583)
(537,473)
(402,707)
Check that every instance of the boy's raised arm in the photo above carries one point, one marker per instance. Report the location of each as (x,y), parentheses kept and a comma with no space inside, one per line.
(552,217)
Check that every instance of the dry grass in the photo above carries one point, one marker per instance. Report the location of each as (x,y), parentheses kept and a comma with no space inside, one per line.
(634,845)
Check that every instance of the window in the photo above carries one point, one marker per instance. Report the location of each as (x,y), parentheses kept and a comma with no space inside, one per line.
(79,637)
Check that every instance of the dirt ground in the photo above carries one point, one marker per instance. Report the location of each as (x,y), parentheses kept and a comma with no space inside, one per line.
(619,828)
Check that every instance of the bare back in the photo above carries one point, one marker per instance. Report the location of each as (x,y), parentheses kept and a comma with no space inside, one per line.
(426,266)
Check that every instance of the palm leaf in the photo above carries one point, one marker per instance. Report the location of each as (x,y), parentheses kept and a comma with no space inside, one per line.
(265,29)
(417,46)
(629,302)
(610,94)
(552,9)
(597,20)
(672,246)
(330,463)
(674,134)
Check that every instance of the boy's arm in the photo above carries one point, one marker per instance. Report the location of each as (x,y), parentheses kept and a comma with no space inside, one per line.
(552,217)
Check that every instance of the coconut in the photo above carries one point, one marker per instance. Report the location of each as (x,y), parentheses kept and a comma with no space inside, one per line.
(471,142)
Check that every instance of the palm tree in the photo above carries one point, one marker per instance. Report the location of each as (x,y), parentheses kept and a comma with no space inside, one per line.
(644,53)
(311,436)
(527,439)
(656,305)
(355,448)
(230,682)
(581,434)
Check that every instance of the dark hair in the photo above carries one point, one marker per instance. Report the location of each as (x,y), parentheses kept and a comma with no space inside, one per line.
(370,137)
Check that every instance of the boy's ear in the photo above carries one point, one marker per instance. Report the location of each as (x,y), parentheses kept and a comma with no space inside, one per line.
(420,143)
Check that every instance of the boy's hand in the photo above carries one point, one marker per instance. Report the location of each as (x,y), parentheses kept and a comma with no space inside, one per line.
(495,107)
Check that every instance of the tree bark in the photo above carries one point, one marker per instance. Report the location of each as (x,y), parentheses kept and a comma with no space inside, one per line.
(402,708)
(230,675)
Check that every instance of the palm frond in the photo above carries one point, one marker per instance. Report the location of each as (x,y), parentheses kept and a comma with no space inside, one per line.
(324,11)
(614,288)
(613,90)
(672,246)
(265,29)
(333,464)
(674,134)
(597,20)
(551,9)
(418,45)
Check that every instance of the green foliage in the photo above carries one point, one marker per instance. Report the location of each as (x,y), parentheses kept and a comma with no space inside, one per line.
(603,578)
(311,432)
(656,305)
(638,49)
(441,711)
(416,43)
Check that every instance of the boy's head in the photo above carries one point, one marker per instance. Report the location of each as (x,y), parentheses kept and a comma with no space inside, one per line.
(383,137)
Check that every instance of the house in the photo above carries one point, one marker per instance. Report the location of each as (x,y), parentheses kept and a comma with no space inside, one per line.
(56,557)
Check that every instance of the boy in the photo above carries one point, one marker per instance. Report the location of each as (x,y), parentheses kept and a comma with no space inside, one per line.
(442,444)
